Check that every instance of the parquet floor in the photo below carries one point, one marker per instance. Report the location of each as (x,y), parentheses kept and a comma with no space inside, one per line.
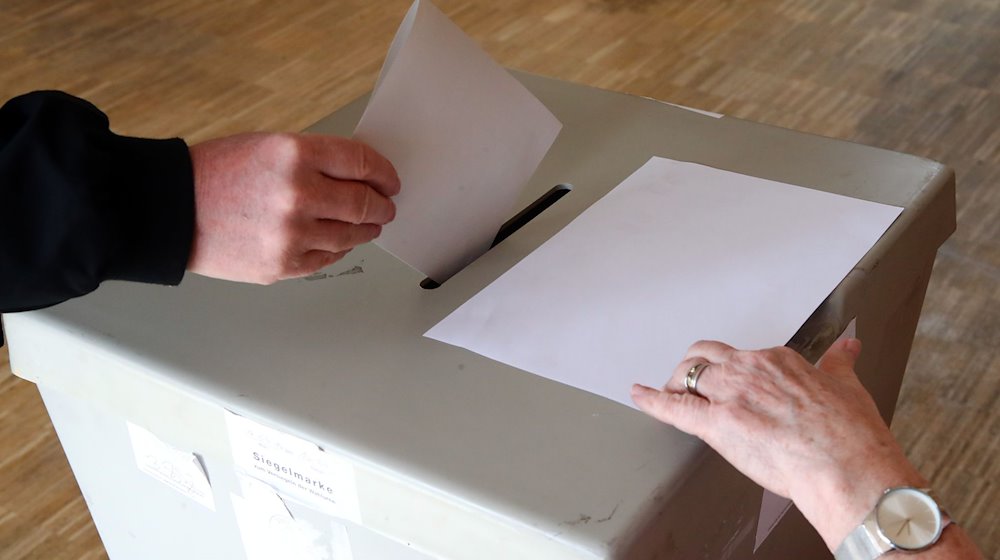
(920,76)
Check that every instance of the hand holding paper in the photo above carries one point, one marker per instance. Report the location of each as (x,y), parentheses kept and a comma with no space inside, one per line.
(464,136)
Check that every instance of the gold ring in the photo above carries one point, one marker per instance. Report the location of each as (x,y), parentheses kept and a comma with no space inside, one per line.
(691,379)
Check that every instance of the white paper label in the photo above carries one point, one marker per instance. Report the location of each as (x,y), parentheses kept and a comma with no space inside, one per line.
(269,531)
(295,468)
(180,470)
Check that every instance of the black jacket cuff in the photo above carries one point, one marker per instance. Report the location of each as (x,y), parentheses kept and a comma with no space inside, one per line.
(155,206)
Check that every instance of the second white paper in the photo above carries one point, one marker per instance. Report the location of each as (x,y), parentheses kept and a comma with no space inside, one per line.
(464,135)
(676,253)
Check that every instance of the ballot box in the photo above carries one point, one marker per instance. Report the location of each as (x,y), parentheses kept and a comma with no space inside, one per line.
(429,450)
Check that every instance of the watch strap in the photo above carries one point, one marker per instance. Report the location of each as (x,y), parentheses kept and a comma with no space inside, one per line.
(864,542)
(861,543)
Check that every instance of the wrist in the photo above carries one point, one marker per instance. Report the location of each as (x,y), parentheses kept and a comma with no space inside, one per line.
(837,502)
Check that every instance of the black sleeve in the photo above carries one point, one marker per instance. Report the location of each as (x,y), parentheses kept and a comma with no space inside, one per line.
(80,204)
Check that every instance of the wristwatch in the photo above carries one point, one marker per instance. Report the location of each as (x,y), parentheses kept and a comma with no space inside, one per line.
(905,518)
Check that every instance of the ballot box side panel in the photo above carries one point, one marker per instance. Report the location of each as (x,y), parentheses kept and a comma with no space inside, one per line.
(139,518)
(893,303)
(99,393)
(136,516)
(712,515)
(894,294)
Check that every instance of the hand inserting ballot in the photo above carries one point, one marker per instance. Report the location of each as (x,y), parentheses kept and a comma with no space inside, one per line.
(276,206)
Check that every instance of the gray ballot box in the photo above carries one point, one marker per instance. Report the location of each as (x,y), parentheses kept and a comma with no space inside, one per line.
(456,456)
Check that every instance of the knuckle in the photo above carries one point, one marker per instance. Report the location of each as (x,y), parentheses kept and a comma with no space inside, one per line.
(757,359)
(752,358)
(366,201)
(280,243)
(357,206)
(695,348)
(268,279)
(334,257)
(349,236)
(338,238)
(770,356)
(288,266)
(370,232)
(363,161)
(289,198)
(356,236)
(392,211)
(268,272)
(771,353)
(284,147)
(784,353)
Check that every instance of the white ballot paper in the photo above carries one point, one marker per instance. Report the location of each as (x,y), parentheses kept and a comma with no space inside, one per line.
(464,136)
(676,253)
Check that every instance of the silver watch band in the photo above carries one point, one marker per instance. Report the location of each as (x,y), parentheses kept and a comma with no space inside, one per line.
(864,542)
(859,545)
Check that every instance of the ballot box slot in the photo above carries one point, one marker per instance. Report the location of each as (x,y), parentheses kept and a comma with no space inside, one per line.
(519,220)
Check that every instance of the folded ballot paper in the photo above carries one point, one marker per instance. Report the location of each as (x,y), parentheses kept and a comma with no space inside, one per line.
(464,135)
(676,253)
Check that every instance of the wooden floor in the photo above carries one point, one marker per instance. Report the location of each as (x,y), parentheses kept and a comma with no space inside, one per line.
(920,76)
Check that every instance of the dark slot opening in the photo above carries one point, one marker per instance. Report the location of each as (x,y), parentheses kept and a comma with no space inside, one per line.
(519,220)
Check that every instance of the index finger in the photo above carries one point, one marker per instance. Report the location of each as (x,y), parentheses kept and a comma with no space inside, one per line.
(343,158)
(684,412)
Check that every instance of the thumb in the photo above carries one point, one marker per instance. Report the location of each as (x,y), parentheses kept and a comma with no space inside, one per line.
(840,357)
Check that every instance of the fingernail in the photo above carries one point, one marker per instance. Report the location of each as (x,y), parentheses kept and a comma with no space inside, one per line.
(853,346)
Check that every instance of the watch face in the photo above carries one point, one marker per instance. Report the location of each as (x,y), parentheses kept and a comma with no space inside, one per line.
(908,518)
